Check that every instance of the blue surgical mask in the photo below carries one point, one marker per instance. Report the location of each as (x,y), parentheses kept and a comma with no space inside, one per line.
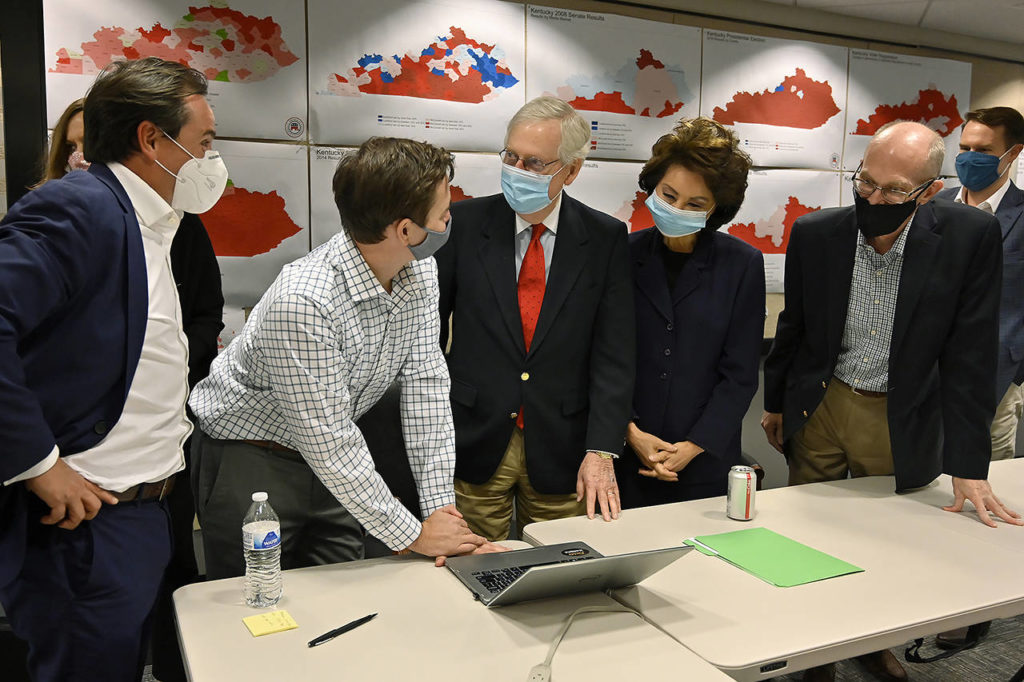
(524,191)
(672,221)
(431,243)
(978,170)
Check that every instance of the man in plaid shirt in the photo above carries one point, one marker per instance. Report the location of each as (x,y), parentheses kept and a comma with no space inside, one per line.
(336,328)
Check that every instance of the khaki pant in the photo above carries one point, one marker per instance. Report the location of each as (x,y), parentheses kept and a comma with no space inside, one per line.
(1004,425)
(847,435)
(487,507)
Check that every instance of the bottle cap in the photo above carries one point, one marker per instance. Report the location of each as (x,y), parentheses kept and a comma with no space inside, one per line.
(259,497)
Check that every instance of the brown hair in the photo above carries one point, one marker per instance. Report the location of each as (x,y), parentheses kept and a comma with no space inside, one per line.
(385,180)
(1007,117)
(711,150)
(56,162)
(125,94)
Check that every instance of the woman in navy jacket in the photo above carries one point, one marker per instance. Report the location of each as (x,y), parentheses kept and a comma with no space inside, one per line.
(700,298)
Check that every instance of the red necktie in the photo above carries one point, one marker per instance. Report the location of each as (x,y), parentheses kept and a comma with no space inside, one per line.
(531,291)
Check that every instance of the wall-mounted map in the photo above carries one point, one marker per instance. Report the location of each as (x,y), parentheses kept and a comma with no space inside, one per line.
(632,79)
(887,87)
(784,98)
(449,72)
(252,52)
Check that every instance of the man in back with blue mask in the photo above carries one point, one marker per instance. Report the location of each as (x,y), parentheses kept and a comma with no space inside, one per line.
(331,334)
(538,289)
(989,143)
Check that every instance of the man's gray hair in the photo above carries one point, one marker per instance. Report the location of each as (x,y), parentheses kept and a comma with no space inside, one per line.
(575,141)
(936,149)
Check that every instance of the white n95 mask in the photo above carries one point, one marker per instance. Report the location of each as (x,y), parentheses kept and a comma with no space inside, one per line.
(199,183)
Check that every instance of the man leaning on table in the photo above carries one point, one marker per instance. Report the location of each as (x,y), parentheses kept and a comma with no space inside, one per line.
(336,328)
(885,354)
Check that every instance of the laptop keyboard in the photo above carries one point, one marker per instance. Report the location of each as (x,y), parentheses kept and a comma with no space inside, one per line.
(494,581)
(497,580)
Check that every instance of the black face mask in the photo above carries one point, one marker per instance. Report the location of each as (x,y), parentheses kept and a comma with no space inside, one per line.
(875,220)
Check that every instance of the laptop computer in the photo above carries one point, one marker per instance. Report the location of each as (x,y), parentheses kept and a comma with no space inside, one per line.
(554,571)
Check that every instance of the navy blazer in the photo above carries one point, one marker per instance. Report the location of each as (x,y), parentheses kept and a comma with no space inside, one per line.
(1010,214)
(698,349)
(73,309)
(577,380)
(942,358)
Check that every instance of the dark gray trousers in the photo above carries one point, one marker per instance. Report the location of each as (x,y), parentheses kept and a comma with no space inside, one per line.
(315,528)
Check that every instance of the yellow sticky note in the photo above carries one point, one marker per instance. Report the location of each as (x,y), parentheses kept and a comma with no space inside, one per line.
(269,623)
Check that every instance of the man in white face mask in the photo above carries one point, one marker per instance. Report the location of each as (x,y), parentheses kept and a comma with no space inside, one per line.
(542,357)
(93,374)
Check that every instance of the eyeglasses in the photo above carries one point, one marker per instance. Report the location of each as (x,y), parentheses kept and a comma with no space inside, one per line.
(889,195)
(530,163)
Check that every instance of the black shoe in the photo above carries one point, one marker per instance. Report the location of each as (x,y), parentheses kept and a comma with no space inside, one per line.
(821,673)
(954,639)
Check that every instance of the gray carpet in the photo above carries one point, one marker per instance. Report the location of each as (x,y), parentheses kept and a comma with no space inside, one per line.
(996,659)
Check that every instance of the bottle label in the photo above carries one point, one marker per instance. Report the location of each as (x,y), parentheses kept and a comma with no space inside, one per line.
(268,541)
(261,535)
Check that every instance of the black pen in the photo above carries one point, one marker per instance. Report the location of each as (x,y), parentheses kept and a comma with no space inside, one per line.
(328,636)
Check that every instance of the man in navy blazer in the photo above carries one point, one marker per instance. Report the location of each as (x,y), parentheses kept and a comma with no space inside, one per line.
(989,143)
(542,352)
(93,376)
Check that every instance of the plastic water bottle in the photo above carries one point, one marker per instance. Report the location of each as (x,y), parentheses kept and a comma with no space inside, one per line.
(261,542)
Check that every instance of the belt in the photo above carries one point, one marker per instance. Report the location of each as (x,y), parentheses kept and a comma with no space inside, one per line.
(271,445)
(144,492)
(860,391)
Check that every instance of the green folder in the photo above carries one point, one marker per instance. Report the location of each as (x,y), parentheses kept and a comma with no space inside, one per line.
(771,557)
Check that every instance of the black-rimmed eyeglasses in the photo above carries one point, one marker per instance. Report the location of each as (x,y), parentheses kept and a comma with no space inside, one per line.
(890,195)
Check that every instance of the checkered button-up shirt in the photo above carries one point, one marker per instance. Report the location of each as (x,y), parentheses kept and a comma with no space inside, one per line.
(319,350)
(863,361)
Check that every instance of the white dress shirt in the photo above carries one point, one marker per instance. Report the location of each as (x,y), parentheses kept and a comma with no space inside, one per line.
(146,442)
(990,205)
(524,231)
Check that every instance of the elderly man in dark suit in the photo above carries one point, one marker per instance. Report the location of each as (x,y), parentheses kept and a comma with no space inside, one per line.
(885,354)
(542,353)
(93,373)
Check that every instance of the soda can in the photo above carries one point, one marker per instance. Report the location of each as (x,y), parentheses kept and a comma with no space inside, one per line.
(739,501)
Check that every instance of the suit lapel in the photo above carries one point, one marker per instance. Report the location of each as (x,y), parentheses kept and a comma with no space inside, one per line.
(1011,210)
(650,275)
(138,284)
(690,276)
(497,253)
(918,256)
(840,254)
(566,264)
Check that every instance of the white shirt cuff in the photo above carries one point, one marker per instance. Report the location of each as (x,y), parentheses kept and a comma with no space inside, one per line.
(39,469)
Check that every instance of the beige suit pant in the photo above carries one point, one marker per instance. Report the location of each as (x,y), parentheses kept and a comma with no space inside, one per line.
(487,507)
(1004,425)
(848,434)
